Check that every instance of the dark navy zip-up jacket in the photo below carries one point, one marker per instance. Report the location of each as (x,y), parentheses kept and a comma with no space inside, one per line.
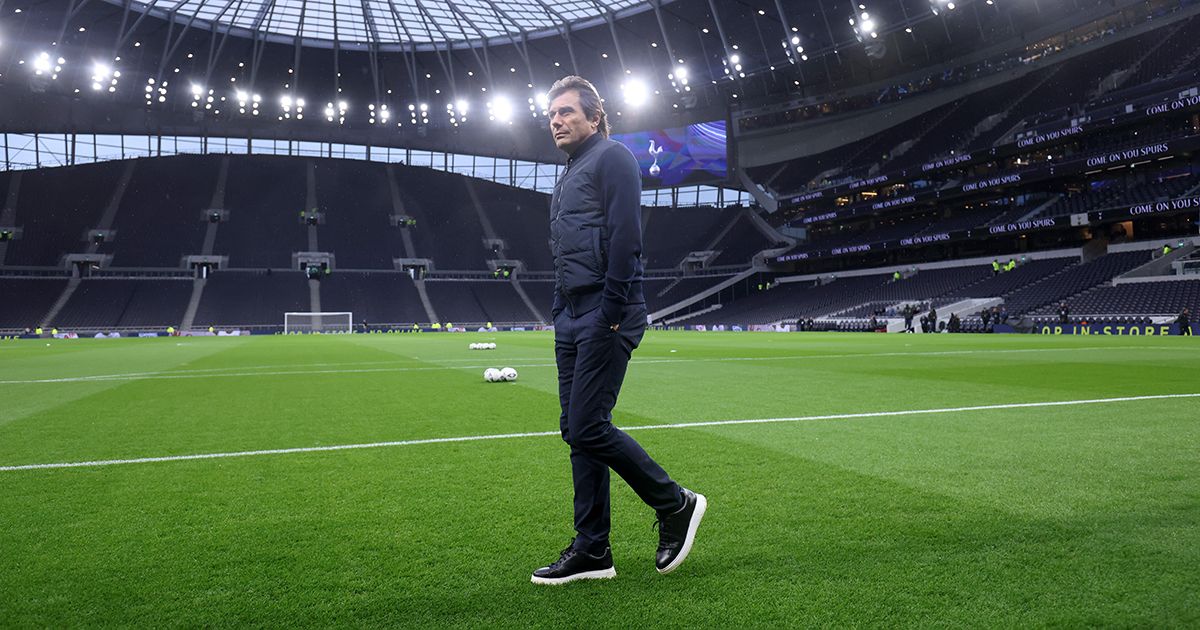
(596,231)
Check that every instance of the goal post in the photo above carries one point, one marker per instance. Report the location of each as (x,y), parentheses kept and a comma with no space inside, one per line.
(339,322)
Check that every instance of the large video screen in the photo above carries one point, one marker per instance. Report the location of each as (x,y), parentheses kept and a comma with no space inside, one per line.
(681,155)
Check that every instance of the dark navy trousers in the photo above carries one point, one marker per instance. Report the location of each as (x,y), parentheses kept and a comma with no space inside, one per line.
(591,367)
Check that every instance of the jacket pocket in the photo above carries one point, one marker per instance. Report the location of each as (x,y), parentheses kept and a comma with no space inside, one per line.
(598,250)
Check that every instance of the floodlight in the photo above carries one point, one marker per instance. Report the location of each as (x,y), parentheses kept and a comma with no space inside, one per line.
(501,108)
(636,92)
(41,63)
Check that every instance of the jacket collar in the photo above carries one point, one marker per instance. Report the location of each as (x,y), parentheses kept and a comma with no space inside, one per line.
(592,141)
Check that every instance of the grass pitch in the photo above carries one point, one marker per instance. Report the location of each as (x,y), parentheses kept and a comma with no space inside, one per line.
(1082,514)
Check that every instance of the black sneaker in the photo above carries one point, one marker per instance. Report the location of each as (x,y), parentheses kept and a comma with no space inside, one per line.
(576,565)
(677,532)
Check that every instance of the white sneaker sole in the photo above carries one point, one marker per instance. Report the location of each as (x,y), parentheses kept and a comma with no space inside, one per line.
(601,574)
(693,525)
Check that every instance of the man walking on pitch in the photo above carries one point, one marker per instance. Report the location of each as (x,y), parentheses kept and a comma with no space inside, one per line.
(599,316)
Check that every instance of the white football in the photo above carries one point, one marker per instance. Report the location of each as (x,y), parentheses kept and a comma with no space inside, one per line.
(492,346)
(474,346)
(491,375)
(508,374)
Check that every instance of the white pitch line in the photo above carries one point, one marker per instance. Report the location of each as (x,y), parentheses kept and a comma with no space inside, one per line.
(213,373)
(505,436)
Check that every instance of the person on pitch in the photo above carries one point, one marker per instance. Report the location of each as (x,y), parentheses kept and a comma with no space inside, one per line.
(599,315)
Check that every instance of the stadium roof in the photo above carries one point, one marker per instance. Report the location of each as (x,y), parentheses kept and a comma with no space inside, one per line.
(391,23)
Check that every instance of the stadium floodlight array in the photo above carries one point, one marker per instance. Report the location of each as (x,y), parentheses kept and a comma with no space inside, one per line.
(43,65)
(794,49)
(104,77)
(540,101)
(457,111)
(500,109)
(635,92)
(679,79)
(865,27)
(340,113)
(936,6)
(310,322)
(243,98)
(382,111)
(733,65)
(154,88)
(287,103)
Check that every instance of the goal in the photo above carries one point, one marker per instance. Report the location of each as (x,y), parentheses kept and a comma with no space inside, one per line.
(318,322)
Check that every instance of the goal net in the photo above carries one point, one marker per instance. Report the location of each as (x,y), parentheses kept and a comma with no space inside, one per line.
(318,322)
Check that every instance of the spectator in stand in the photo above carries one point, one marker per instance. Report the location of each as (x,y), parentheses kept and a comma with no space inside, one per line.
(1064,313)
(1185,323)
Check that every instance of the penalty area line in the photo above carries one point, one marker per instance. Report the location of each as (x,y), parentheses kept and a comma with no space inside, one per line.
(649,427)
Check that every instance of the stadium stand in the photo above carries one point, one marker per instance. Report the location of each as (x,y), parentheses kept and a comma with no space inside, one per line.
(157,219)
(1009,281)
(1072,280)
(160,217)
(541,294)
(233,298)
(1127,190)
(741,242)
(56,217)
(118,303)
(477,301)
(372,297)
(264,226)
(793,300)
(36,296)
(1164,298)
(356,203)
(670,233)
(520,218)
(662,296)
(448,228)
